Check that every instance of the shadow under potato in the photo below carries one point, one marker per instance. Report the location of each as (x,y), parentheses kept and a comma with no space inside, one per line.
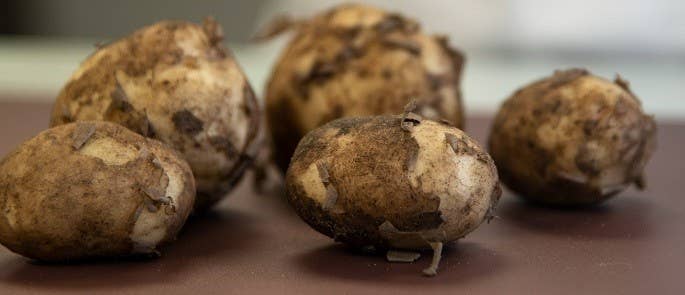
(202,238)
(461,262)
(622,217)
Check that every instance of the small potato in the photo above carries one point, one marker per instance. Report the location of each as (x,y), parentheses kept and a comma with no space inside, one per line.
(392,182)
(572,139)
(91,190)
(358,60)
(175,82)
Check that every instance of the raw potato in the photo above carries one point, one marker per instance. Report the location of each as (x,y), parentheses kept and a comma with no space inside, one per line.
(392,182)
(357,60)
(91,190)
(175,82)
(572,139)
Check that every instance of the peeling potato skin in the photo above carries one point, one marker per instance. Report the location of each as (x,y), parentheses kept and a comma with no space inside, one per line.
(59,203)
(175,82)
(357,60)
(572,139)
(369,162)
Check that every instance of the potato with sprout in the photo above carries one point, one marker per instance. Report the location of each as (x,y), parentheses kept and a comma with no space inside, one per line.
(392,183)
(92,190)
(572,139)
(175,82)
(357,60)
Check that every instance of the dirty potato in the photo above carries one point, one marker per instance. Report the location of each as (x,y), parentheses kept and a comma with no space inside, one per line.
(392,182)
(357,60)
(175,82)
(572,139)
(92,190)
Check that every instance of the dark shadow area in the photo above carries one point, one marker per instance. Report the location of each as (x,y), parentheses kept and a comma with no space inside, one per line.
(461,262)
(270,199)
(217,231)
(624,217)
(93,274)
(282,207)
(222,234)
(108,20)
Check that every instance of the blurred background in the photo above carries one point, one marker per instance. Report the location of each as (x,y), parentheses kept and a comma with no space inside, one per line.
(507,42)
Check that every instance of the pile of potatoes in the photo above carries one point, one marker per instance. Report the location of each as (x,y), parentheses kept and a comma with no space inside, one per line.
(364,110)
(150,128)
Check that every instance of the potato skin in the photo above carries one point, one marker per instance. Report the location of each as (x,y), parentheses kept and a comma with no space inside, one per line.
(172,81)
(367,182)
(357,60)
(572,139)
(91,190)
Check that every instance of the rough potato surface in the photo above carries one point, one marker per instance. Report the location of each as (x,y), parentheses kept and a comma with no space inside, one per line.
(175,82)
(572,139)
(390,182)
(91,190)
(356,60)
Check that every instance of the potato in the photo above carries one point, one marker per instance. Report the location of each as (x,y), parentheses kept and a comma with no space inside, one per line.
(357,60)
(572,139)
(92,190)
(392,182)
(175,82)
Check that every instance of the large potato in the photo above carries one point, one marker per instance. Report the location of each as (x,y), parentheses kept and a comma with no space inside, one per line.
(357,60)
(175,82)
(391,183)
(92,189)
(572,139)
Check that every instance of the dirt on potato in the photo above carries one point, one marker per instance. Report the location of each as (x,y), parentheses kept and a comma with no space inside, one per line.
(92,190)
(173,81)
(572,139)
(357,60)
(392,182)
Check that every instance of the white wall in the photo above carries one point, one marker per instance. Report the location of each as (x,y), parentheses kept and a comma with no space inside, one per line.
(621,26)
(507,44)
(630,26)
